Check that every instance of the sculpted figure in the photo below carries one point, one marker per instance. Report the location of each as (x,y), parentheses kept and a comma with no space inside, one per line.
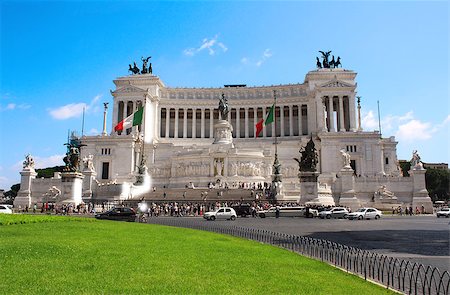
(144,65)
(29,162)
(88,163)
(415,161)
(346,158)
(325,56)
(383,193)
(223,107)
(319,65)
(338,62)
(219,166)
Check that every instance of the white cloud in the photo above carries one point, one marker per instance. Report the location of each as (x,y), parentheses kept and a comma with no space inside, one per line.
(94,131)
(68,111)
(211,45)
(13,106)
(74,110)
(414,130)
(262,59)
(266,55)
(369,122)
(406,127)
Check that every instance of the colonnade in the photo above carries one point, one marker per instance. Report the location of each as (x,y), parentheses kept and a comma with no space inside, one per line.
(123,109)
(337,114)
(191,122)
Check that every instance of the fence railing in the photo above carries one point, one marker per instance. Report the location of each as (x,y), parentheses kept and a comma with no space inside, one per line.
(398,274)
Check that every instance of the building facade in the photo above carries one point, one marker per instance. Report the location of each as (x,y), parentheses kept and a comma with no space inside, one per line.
(179,140)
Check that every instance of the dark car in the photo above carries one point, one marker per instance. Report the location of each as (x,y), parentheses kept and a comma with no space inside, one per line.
(242,210)
(118,213)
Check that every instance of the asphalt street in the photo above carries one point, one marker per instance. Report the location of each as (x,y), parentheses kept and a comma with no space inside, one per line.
(423,239)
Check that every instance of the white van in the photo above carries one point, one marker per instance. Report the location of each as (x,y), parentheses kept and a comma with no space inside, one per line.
(297,211)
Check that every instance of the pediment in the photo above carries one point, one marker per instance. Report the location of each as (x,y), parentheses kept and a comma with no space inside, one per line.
(336,84)
(129,89)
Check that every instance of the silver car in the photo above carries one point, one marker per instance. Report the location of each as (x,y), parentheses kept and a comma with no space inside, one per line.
(221,213)
(336,212)
(444,212)
(365,213)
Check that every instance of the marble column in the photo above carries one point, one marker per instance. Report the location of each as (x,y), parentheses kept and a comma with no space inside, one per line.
(273,124)
(246,122)
(202,124)
(167,122)
(185,123)
(238,123)
(115,118)
(282,121)
(351,106)
(341,114)
(175,134)
(291,121)
(211,123)
(255,120)
(331,113)
(194,123)
(264,116)
(300,117)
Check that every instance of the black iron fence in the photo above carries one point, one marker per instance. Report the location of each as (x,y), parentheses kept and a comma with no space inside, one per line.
(398,274)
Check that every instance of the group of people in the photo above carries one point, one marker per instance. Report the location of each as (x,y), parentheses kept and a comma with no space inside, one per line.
(408,210)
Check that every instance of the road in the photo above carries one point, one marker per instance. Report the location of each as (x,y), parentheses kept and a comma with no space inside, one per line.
(423,239)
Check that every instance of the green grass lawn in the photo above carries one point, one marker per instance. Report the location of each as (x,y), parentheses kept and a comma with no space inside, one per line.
(84,256)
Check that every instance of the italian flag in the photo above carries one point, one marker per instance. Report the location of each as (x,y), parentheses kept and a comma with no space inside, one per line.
(269,119)
(130,121)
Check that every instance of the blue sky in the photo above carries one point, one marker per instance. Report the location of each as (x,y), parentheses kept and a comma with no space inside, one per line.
(60,56)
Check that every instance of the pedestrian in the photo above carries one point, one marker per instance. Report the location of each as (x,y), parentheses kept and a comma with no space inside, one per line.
(277,212)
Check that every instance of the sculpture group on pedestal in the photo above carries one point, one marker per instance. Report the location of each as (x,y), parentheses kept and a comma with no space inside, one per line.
(328,64)
(309,159)
(29,162)
(416,164)
(145,70)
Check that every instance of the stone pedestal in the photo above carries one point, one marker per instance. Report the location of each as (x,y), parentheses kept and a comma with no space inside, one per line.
(23,197)
(88,182)
(223,132)
(348,195)
(277,189)
(309,190)
(72,188)
(420,195)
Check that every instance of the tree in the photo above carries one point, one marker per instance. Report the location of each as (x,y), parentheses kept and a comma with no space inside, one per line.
(49,171)
(438,184)
(10,195)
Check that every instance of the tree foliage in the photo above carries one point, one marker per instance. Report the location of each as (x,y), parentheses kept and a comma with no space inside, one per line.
(438,184)
(49,171)
(10,195)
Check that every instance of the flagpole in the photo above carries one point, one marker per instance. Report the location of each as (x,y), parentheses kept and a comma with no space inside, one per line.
(142,127)
(275,118)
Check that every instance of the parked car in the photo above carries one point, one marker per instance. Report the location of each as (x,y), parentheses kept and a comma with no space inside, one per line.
(365,213)
(118,213)
(221,213)
(7,209)
(297,211)
(242,210)
(335,212)
(444,212)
